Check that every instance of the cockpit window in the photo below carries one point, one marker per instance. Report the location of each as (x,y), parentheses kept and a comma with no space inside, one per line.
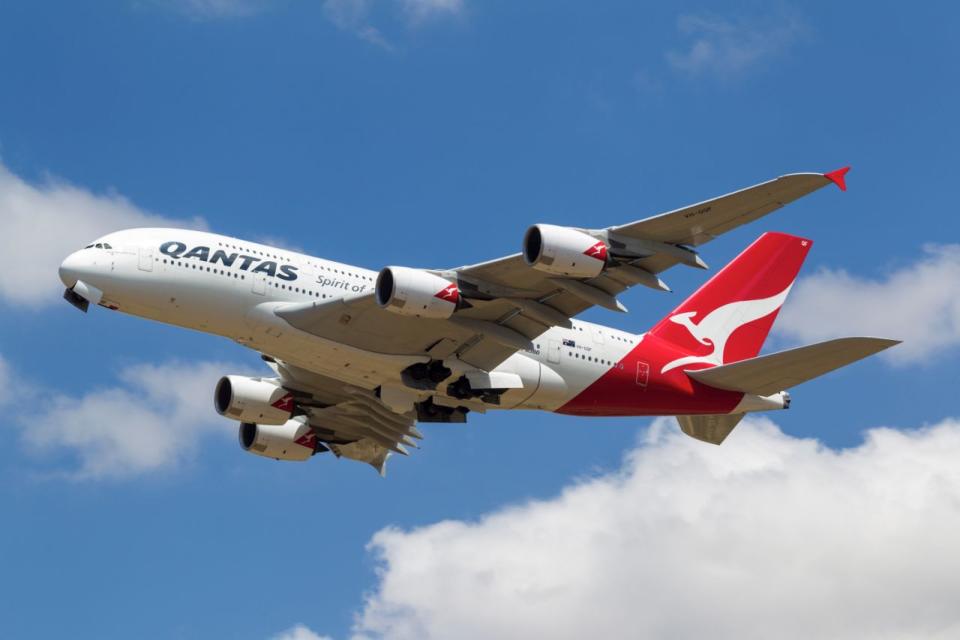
(99,245)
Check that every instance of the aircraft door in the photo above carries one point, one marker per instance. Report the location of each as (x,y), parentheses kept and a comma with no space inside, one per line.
(553,351)
(643,373)
(259,284)
(145,262)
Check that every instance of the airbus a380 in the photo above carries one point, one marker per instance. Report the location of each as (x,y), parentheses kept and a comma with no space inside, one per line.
(359,357)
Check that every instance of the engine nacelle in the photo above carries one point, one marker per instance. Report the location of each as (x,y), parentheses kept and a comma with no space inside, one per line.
(293,440)
(253,400)
(562,251)
(413,292)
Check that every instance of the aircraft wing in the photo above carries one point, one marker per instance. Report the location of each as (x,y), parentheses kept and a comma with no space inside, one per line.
(350,421)
(511,304)
(698,223)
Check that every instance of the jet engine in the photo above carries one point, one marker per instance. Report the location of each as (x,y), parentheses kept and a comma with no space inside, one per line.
(414,292)
(259,400)
(292,440)
(562,251)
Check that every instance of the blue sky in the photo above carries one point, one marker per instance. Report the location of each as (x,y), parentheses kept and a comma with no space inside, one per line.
(428,133)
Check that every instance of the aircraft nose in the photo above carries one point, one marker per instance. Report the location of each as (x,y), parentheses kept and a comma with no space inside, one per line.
(71,268)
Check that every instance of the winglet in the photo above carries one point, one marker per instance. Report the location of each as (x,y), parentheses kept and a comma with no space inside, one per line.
(838,177)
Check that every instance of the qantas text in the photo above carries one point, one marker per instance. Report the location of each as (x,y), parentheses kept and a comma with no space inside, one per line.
(178,250)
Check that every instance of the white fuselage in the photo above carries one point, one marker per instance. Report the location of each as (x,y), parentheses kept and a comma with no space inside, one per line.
(229,287)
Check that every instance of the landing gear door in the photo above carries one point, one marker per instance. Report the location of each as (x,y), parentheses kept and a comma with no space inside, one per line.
(145,262)
(259,284)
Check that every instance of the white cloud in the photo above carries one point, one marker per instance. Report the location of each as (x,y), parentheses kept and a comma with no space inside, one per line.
(299,632)
(419,11)
(349,15)
(346,13)
(215,9)
(355,16)
(724,48)
(153,420)
(43,223)
(768,536)
(918,303)
(6,382)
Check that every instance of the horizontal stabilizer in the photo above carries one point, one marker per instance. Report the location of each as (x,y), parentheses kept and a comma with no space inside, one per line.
(768,374)
(710,428)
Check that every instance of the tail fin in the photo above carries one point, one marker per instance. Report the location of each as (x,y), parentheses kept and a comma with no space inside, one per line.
(729,317)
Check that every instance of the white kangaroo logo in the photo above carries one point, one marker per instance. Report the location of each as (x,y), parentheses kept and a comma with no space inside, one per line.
(718,325)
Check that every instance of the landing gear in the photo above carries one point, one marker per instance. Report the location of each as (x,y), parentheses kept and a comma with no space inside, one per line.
(425,375)
(427,411)
(461,389)
(76,300)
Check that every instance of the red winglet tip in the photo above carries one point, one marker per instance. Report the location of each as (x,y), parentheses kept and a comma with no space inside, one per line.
(838,177)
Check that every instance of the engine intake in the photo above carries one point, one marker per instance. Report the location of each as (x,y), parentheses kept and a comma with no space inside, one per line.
(562,251)
(414,292)
(294,440)
(253,400)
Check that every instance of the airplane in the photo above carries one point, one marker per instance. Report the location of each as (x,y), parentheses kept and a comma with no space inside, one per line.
(360,357)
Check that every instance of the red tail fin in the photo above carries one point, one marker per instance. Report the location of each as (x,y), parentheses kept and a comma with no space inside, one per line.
(729,317)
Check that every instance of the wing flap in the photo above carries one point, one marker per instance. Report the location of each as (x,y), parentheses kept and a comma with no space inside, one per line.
(768,374)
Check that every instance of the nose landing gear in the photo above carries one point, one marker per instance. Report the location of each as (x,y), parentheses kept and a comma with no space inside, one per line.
(76,300)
